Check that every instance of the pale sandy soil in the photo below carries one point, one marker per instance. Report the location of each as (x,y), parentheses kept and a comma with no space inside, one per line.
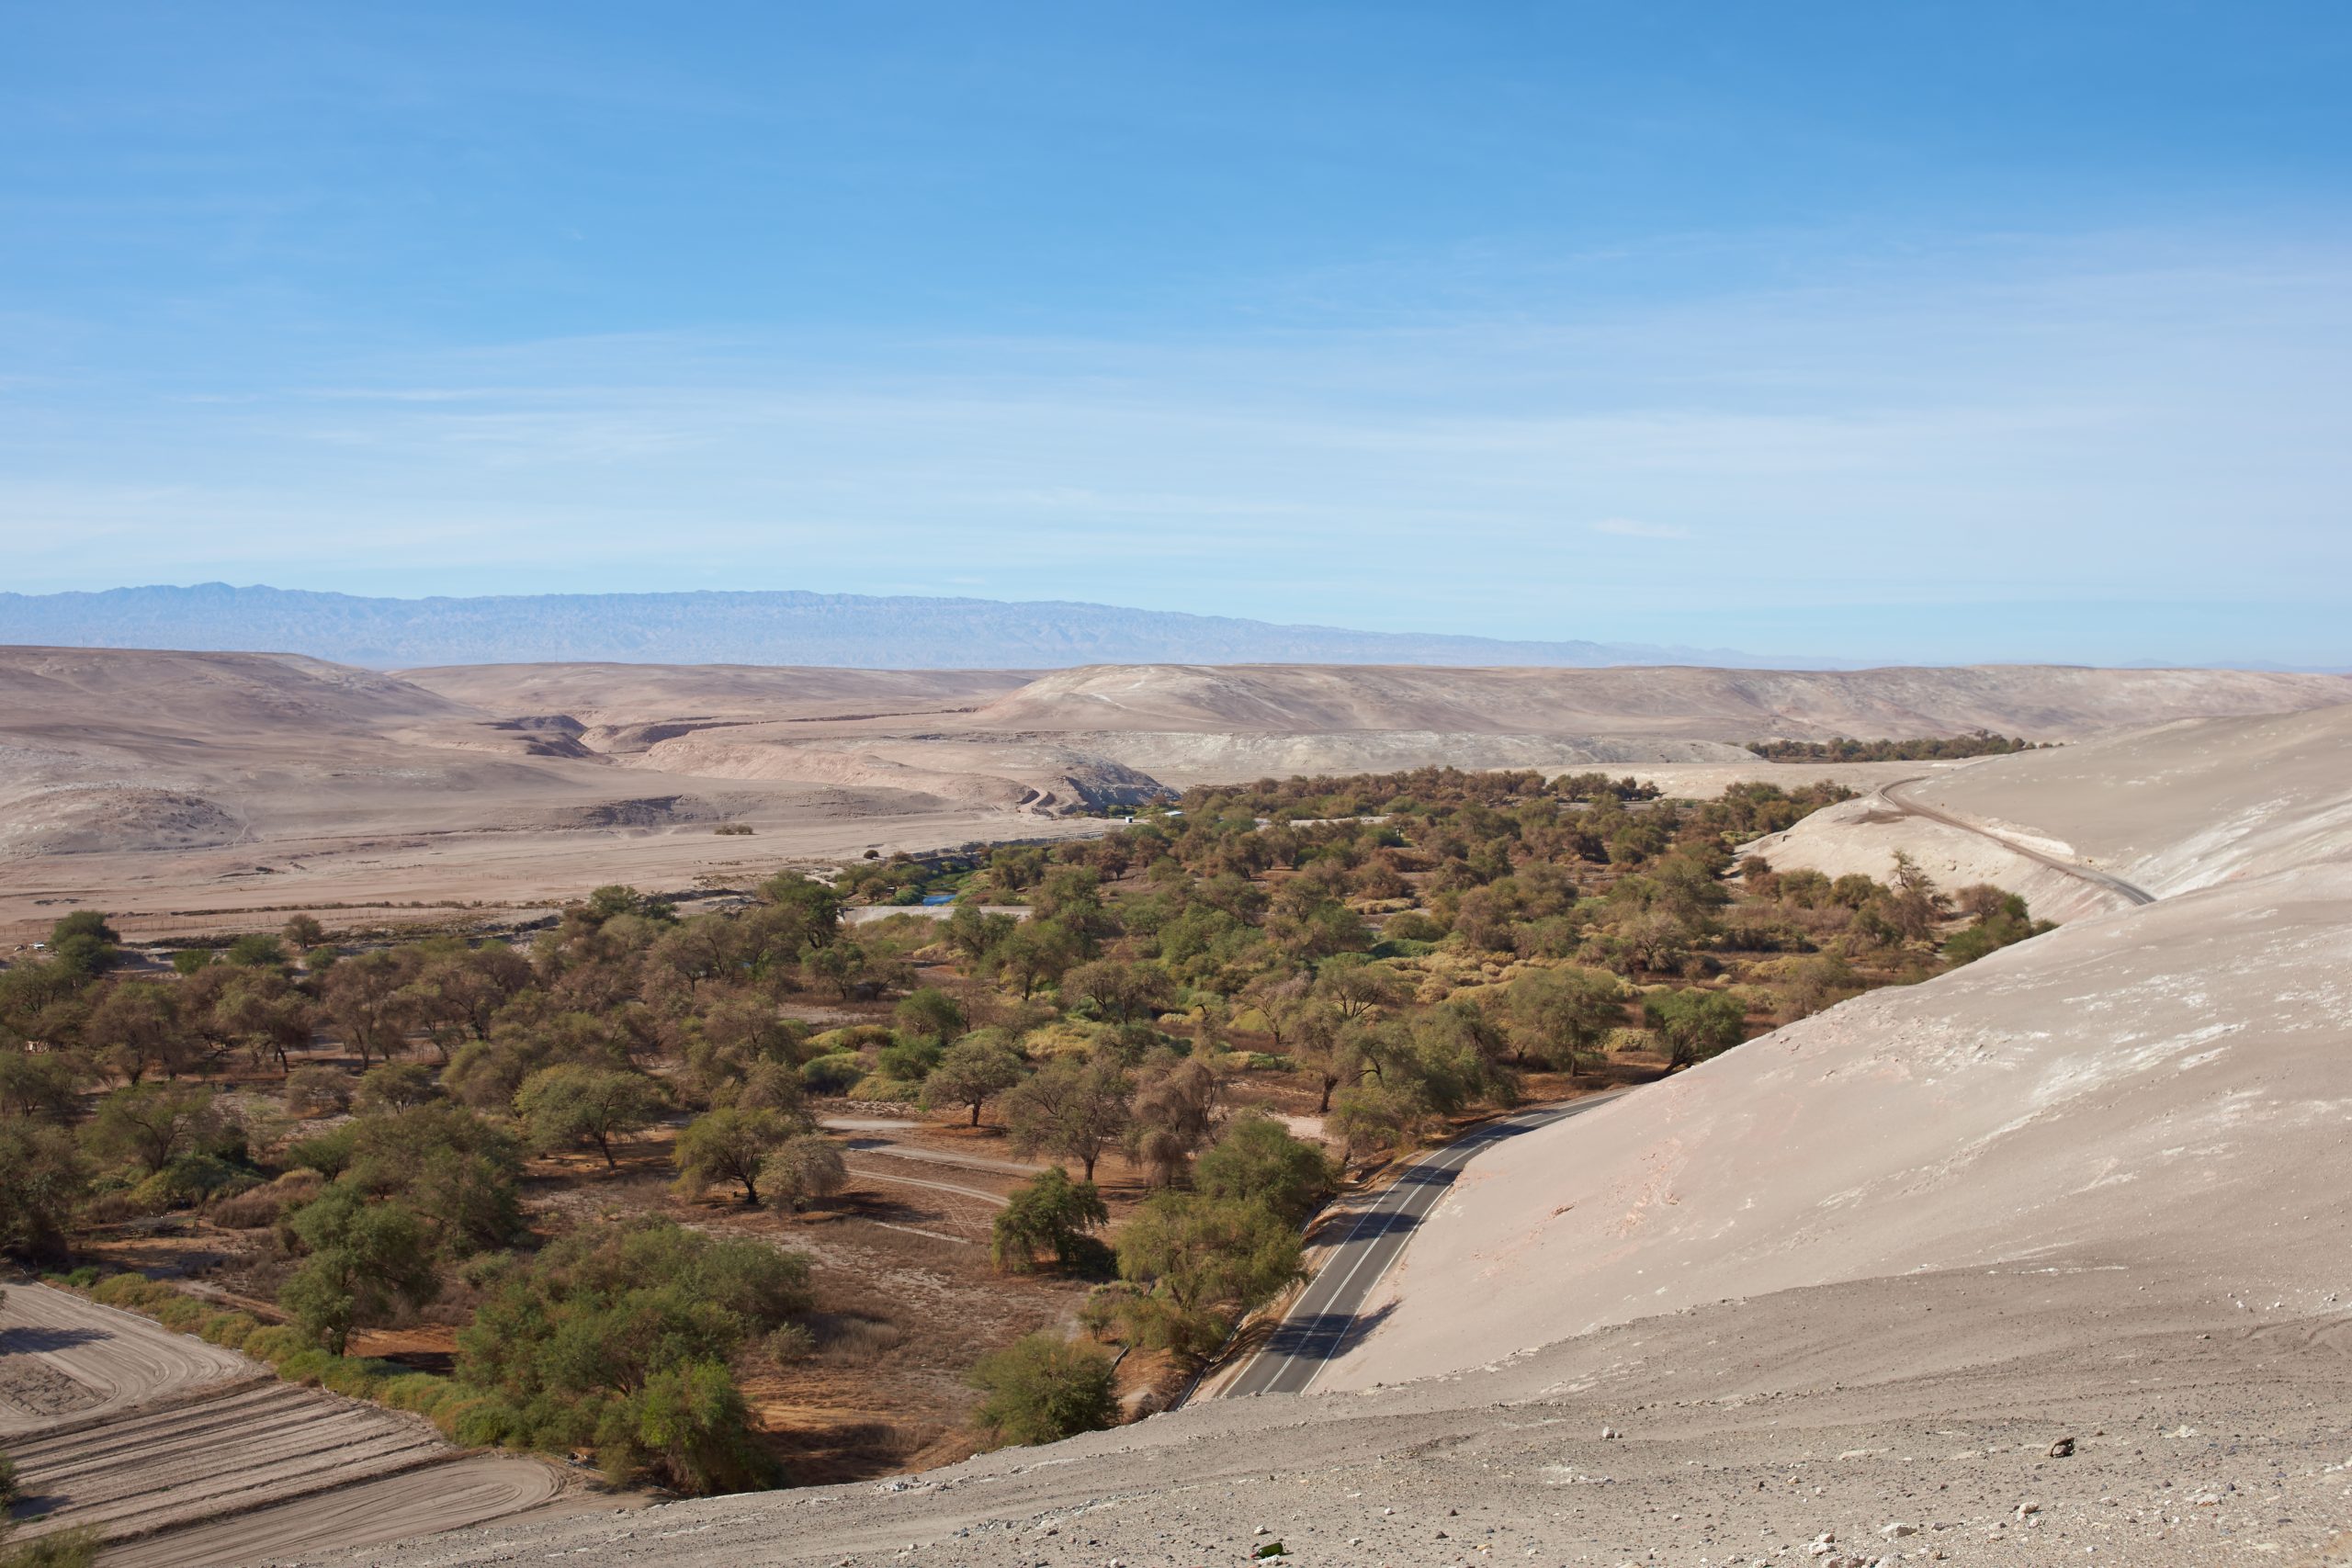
(64,1358)
(192,1454)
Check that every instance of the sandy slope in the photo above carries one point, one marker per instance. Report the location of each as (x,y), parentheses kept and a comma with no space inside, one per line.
(2182,805)
(2044,702)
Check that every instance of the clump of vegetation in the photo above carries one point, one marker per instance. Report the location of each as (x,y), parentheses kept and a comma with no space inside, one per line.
(1044,1388)
(1939,748)
(623,1340)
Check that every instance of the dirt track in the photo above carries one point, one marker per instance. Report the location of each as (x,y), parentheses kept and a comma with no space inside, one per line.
(191,1454)
(61,1357)
(454,1496)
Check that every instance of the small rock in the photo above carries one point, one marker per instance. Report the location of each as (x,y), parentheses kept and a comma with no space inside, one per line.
(1262,1530)
(1898,1530)
(1608,1434)
(2063,1448)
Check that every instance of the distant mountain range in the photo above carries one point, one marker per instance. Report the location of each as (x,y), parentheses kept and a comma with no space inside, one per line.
(767,628)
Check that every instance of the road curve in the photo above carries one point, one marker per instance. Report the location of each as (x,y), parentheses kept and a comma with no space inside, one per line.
(2115,884)
(1322,1322)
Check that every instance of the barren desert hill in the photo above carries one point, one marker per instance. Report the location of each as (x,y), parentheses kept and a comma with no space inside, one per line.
(2167,808)
(218,697)
(635,694)
(2041,702)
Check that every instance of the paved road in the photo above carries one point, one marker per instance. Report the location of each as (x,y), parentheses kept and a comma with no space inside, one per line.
(1322,1322)
(2114,884)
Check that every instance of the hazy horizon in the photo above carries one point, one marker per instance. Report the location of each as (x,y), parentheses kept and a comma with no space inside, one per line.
(1864,333)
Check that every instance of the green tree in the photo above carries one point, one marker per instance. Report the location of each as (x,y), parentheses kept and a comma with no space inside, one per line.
(1050,1212)
(395,1086)
(621,1336)
(930,1014)
(1257,1157)
(1071,1109)
(1562,1016)
(451,1167)
(1044,1388)
(1695,1024)
(42,1176)
(1203,1260)
(568,1105)
(363,1258)
(256,950)
(153,1123)
(805,1168)
(973,1071)
(732,1144)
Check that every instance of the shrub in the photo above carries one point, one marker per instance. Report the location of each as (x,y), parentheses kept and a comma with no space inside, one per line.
(1049,1214)
(275,1343)
(478,1422)
(128,1291)
(789,1343)
(419,1392)
(835,1074)
(304,1367)
(258,1206)
(1043,1389)
(318,1091)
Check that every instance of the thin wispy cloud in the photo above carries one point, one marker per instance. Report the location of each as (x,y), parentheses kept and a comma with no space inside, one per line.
(1634,528)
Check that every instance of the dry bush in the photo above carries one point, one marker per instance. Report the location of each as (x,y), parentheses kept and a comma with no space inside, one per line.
(318,1091)
(850,1340)
(260,1206)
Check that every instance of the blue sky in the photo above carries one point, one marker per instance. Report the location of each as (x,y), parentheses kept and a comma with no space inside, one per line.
(1927,332)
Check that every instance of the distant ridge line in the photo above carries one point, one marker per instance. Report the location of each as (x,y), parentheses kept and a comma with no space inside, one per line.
(763,627)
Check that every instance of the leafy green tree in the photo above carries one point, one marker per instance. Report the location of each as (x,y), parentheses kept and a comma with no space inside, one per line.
(362,1258)
(395,1086)
(44,1086)
(42,1176)
(450,1166)
(930,1014)
(1035,953)
(1071,1109)
(621,1336)
(154,1123)
(1204,1258)
(567,1105)
(1695,1024)
(1044,1388)
(973,1071)
(732,1144)
(1257,1157)
(256,950)
(1117,990)
(1563,1016)
(83,945)
(805,1168)
(1051,1213)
